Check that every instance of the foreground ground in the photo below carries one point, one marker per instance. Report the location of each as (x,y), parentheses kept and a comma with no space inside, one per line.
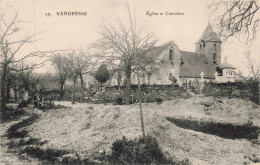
(87,130)
(6,156)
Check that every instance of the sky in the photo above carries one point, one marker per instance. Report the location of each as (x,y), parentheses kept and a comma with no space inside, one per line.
(76,32)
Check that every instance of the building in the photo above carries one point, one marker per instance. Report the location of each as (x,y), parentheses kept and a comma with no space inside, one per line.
(187,68)
(225,72)
(168,57)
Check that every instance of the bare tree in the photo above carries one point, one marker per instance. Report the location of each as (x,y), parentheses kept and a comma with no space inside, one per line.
(80,63)
(22,78)
(124,43)
(253,66)
(238,18)
(11,44)
(131,48)
(60,63)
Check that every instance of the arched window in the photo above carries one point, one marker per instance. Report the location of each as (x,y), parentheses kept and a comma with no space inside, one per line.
(215,47)
(214,58)
(204,45)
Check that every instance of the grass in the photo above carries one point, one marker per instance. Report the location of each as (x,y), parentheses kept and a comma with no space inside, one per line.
(31,146)
(181,144)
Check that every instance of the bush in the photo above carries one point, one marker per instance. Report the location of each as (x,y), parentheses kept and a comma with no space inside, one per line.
(139,151)
(44,154)
(248,90)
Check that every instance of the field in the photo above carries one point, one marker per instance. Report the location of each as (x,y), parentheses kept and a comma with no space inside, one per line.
(87,130)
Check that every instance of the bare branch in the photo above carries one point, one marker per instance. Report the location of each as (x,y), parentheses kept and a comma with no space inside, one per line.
(238,19)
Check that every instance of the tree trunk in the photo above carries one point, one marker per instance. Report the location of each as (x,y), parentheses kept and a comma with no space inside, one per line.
(82,87)
(3,85)
(140,103)
(74,86)
(61,89)
(15,94)
(7,93)
(119,81)
(128,83)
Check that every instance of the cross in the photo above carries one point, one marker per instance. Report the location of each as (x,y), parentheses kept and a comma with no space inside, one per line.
(225,59)
(201,75)
(25,96)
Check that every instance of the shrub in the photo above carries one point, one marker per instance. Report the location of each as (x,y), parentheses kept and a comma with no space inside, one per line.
(119,101)
(144,150)
(159,101)
(245,90)
(44,154)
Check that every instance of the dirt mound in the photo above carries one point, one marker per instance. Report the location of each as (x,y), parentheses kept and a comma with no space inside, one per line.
(92,128)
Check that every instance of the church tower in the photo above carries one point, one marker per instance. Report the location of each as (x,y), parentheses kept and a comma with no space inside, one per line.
(210,45)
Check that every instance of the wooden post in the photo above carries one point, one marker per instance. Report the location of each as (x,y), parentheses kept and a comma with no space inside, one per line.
(38,100)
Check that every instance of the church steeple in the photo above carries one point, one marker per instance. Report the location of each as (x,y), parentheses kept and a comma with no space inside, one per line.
(210,45)
(209,35)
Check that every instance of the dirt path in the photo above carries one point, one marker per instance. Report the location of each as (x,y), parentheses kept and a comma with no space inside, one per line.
(7,158)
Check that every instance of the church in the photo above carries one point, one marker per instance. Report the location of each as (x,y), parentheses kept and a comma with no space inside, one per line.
(186,68)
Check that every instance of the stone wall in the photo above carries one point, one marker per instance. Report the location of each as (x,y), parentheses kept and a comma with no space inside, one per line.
(245,90)
(150,93)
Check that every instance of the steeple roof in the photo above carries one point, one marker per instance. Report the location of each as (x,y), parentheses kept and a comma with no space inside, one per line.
(209,35)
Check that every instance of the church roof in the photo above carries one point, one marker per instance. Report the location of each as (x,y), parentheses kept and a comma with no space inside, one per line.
(194,63)
(154,53)
(158,50)
(209,35)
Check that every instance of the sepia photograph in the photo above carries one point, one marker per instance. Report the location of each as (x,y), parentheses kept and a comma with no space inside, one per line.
(129,82)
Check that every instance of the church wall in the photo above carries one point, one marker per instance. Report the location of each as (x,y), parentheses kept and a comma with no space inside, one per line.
(167,66)
(160,74)
(211,48)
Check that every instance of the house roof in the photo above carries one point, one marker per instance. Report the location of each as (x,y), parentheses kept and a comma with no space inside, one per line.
(226,65)
(209,35)
(194,63)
